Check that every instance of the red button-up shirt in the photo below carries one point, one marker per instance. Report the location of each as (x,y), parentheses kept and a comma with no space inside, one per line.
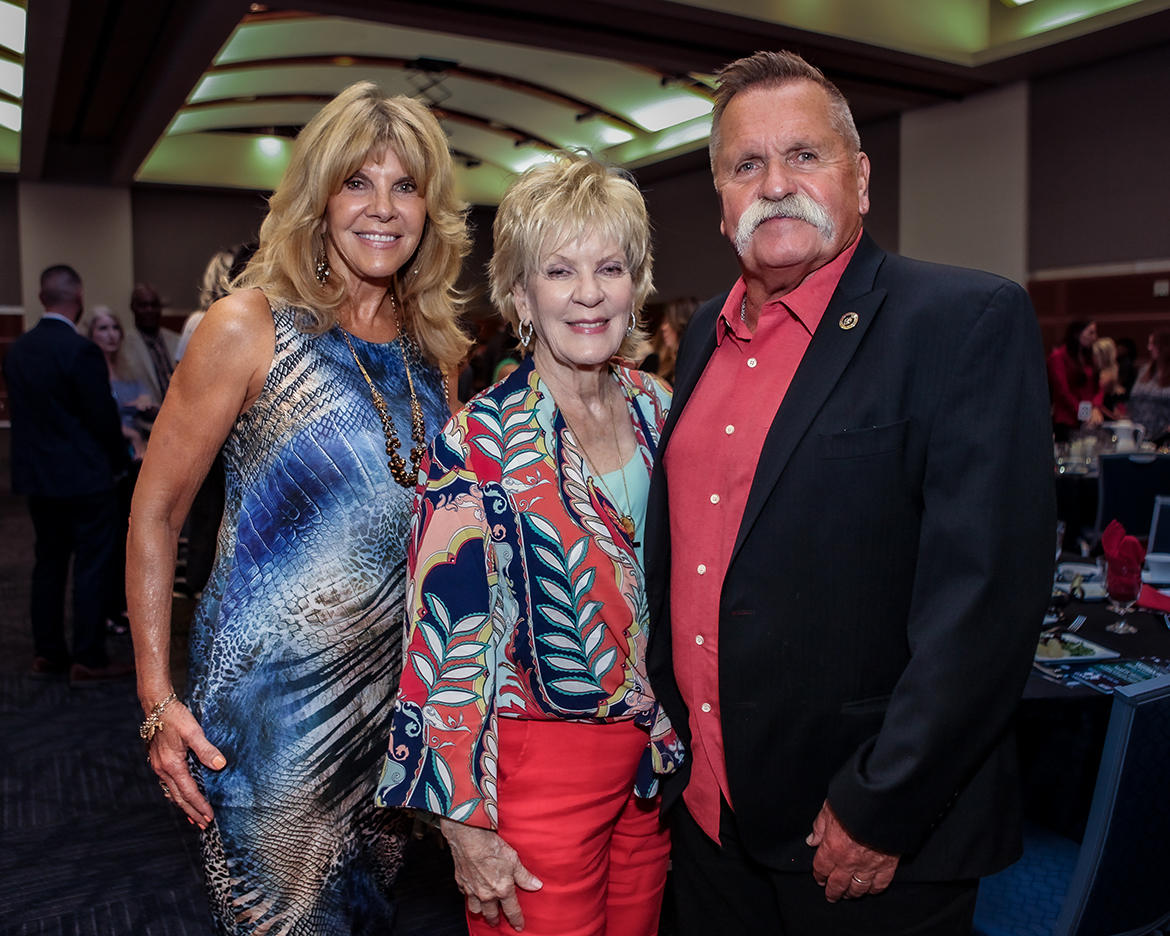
(711,460)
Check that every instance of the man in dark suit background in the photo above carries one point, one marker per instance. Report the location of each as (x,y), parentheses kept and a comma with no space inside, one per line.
(849,548)
(67,450)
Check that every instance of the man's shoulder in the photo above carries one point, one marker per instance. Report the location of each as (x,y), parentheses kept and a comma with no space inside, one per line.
(898,270)
(50,335)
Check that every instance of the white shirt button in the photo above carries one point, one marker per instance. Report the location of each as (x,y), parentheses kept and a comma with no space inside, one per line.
(706,706)
(699,639)
(729,430)
(701,570)
(751,362)
(714,498)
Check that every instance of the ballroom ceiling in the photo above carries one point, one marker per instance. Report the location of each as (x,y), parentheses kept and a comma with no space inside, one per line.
(210,93)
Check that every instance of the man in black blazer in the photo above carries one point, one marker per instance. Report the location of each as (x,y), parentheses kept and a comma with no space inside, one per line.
(67,450)
(849,549)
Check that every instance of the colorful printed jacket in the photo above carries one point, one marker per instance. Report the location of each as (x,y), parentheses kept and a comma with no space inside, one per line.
(525,599)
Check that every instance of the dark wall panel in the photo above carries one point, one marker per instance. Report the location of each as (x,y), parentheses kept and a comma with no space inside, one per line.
(1099,140)
(10,290)
(177,232)
(882,143)
(691,257)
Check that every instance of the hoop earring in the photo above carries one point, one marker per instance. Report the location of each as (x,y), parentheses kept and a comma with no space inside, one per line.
(525,338)
(633,323)
(323,269)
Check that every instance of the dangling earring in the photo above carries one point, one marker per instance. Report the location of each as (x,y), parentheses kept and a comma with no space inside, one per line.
(633,323)
(323,269)
(525,338)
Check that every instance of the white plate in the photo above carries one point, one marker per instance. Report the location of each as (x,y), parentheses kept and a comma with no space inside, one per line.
(1098,652)
(1094,591)
(1161,581)
(1067,571)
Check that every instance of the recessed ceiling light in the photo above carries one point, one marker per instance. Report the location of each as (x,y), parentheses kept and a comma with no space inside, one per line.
(270,146)
(1015,3)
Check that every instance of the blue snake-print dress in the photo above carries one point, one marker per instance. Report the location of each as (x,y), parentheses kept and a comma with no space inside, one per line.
(296,646)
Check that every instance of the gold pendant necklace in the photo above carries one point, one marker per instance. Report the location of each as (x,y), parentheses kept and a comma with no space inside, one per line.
(418,428)
(624,519)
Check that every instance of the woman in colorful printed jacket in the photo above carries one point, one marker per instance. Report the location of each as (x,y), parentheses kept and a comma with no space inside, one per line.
(524,721)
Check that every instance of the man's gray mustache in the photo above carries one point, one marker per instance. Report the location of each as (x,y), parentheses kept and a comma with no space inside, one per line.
(796,205)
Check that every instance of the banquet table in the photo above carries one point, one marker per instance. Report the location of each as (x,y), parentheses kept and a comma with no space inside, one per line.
(1060,728)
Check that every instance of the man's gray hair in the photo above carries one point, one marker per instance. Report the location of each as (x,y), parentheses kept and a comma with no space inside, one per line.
(774,70)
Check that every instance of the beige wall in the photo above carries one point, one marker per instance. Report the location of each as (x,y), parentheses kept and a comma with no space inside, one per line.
(86,227)
(963,189)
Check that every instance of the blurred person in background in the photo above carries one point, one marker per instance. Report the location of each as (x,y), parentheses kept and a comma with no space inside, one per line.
(1149,401)
(1072,381)
(213,288)
(68,452)
(675,317)
(150,348)
(137,409)
(136,406)
(322,379)
(1110,388)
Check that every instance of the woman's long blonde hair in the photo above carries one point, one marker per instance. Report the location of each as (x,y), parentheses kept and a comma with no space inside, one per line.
(359,124)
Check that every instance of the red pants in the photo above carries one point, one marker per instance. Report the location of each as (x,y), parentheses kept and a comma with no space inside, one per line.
(567,806)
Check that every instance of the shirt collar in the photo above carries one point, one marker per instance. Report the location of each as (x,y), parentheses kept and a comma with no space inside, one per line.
(806,303)
(58,317)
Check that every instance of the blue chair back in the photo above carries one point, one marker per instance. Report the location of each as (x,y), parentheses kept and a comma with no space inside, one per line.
(1126,488)
(1121,883)
(1160,526)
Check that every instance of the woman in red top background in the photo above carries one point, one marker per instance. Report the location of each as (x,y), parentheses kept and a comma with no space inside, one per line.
(1072,380)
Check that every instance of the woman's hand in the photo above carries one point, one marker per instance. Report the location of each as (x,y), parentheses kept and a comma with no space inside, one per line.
(168,756)
(488,871)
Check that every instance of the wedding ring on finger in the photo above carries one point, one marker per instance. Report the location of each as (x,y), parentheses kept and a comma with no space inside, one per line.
(861,882)
(166,789)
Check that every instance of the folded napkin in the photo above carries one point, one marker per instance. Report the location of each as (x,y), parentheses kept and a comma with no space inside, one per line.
(1153,600)
(1121,548)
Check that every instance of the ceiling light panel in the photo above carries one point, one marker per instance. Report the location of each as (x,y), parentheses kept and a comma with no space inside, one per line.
(11,78)
(12,27)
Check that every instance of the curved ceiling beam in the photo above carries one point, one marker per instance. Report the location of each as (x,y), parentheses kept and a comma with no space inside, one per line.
(519,137)
(584,109)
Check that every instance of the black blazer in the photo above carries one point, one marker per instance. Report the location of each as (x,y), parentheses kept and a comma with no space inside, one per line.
(890,575)
(66,435)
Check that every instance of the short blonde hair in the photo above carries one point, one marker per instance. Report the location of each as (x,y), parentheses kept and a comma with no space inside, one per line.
(359,124)
(560,202)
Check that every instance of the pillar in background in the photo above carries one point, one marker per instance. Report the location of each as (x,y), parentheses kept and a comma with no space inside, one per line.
(88,228)
(963,183)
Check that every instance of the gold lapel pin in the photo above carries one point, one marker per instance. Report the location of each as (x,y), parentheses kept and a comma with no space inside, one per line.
(848,320)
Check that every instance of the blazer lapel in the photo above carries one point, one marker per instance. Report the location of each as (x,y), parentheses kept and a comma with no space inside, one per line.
(829,353)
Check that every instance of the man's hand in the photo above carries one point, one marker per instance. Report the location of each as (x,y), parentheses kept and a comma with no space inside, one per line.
(488,871)
(842,865)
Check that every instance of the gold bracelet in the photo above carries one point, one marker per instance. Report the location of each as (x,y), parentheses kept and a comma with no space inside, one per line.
(153,723)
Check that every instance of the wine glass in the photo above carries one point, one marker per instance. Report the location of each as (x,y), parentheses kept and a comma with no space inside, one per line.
(1123,584)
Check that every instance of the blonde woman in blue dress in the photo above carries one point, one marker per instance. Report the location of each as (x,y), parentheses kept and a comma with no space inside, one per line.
(323,383)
